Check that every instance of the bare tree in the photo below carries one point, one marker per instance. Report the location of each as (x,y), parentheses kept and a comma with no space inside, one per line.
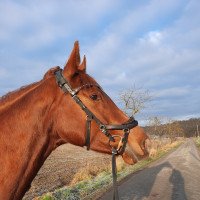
(134,100)
(165,126)
(173,129)
(156,127)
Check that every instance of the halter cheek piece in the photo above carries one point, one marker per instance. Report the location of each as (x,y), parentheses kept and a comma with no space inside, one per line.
(131,123)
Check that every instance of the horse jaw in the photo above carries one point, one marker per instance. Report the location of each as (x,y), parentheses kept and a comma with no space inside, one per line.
(138,146)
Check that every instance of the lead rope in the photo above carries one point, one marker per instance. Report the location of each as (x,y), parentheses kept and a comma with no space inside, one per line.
(88,128)
(114,175)
(119,151)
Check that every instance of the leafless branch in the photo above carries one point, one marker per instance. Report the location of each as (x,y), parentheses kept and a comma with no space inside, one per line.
(134,100)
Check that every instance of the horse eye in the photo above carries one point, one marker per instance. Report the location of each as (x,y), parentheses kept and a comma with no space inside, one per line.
(94,97)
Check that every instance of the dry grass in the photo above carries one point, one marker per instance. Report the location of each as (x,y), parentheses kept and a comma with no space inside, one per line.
(88,172)
(162,145)
(197,141)
(91,171)
(120,164)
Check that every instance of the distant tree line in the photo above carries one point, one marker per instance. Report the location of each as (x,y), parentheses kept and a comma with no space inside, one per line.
(173,129)
(134,100)
(191,127)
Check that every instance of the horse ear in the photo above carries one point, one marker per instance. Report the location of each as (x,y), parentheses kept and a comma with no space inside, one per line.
(73,62)
(82,66)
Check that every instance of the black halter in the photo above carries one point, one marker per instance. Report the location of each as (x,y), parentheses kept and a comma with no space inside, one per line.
(131,123)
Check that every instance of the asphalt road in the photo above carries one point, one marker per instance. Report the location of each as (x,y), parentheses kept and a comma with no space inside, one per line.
(176,177)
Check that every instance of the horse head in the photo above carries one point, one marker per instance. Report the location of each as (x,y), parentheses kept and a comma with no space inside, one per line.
(68,120)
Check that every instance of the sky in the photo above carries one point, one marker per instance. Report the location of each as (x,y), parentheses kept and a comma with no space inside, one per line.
(154,45)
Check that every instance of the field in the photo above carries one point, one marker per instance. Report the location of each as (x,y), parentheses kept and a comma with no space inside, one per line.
(66,165)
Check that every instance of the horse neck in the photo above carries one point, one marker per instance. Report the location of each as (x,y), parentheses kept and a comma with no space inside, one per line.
(26,140)
(10,98)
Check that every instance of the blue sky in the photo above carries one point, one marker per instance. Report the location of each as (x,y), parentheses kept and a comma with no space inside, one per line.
(150,44)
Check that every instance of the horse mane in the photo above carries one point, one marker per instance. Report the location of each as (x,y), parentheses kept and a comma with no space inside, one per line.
(12,95)
(16,94)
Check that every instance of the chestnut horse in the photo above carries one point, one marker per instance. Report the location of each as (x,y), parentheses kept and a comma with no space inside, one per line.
(38,118)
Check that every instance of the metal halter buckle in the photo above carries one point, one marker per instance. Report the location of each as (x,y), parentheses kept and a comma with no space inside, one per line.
(122,143)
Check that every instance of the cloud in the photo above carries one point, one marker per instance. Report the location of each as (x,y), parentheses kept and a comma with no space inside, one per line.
(38,23)
(175,92)
(154,45)
(120,40)
(153,37)
(3,72)
(164,60)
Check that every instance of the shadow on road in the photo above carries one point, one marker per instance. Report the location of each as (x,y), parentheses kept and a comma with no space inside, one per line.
(139,186)
(178,190)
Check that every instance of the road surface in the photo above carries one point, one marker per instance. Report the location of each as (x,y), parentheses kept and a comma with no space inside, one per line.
(175,177)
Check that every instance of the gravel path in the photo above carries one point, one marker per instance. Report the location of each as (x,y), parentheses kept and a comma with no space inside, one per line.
(175,177)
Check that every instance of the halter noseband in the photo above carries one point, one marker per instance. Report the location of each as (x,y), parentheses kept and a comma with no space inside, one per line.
(131,123)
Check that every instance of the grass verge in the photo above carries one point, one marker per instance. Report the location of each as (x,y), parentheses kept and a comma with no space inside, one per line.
(91,187)
(197,142)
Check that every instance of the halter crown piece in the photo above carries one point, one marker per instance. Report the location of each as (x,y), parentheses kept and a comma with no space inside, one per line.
(131,123)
